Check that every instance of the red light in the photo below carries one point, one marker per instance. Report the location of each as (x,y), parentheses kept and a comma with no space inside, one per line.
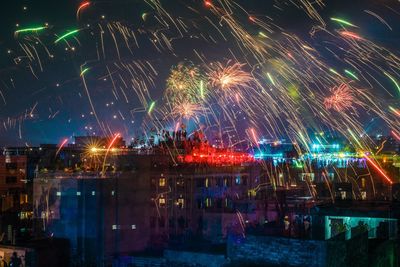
(378,169)
(351,34)
(251,18)
(396,135)
(208,3)
(214,156)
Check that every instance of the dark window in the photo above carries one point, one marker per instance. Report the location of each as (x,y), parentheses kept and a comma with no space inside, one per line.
(199,203)
(161,222)
(200,182)
(171,223)
(180,182)
(244,180)
(220,181)
(219,203)
(11,166)
(153,184)
(11,179)
(152,222)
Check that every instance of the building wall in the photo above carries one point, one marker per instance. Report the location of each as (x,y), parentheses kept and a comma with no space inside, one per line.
(266,250)
(12,173)
(278,251)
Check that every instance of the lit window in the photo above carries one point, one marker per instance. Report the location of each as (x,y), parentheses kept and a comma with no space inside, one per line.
(133,226)
(307,176)
(114,227)
(78,193)
(363,195)
(162,182)
(93,193)
(207,182)
(363,182)
(112,193)
(181,202)
(208,202)
(58,193)
(237,180)
(161,201)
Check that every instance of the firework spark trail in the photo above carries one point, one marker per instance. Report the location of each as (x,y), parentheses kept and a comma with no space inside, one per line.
(63,143)
(269,79)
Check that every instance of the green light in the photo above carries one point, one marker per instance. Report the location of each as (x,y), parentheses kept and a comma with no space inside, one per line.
(351,74)
(393,80)
(202,89)
(66,35)
(151,107)
(84,71)
(270,78)
(334,71)
(344,22)
(34,29)
(298,164)
(263,35)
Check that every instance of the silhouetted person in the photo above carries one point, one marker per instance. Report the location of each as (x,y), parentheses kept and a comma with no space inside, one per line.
(15,261)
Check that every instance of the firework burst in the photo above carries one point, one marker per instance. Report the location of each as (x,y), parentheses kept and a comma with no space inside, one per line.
(229,76)
(187,111)
(183,83)
(341,99)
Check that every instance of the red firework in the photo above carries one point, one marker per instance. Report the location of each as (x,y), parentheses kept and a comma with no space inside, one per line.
(341,99)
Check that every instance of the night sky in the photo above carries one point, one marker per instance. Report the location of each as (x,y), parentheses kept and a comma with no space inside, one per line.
(43,98)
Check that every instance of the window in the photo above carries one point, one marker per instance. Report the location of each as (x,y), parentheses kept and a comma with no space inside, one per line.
(180,182)
(162,182)
(78,193)
(207,182)
(11,166)
(11,179)
(93,193)
(219,203)
(58,193)
(208,202)
(363,182)
(237,180)
(161,201)
(152,222)
(244,180)
(153,183)
(25,215)
(200,182)
(220,181)
(161,222)
(133,226)
(199,203)
(180,202)
(363,195)
(307,176)
(227,181)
